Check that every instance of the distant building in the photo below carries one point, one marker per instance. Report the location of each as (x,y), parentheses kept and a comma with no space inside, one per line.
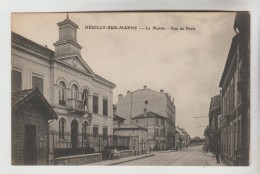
(118,121)
(138,137)
(184,137)
(214,119)
(156,128)
(235,84)
(160,103)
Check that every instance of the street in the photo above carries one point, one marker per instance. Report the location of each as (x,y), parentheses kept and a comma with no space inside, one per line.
(191,156)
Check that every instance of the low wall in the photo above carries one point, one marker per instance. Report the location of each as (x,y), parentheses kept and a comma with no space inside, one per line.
(126,153)
(79,159)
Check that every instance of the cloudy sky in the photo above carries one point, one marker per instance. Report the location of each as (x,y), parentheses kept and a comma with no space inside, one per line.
(186,63)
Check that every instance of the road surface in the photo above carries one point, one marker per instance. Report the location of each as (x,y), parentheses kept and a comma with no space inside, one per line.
(191,156)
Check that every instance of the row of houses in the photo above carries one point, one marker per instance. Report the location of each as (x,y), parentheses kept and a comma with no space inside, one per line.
(60,103)
(229,113)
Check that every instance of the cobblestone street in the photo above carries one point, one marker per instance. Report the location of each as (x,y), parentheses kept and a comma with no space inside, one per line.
(192,156)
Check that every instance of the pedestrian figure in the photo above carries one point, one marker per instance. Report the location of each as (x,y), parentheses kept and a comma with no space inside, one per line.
(204,149)
(217,154)
(116,154)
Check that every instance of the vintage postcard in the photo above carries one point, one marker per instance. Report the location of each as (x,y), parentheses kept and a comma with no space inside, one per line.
(151,88)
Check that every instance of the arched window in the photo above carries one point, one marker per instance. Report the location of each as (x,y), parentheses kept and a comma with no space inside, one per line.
(62,94)
(74,92)
(62,123)
(84,129)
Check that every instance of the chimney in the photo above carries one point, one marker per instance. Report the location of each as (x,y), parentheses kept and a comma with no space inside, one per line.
(120,97)
(145,87)
(145,112)
(172,100)
(162,91)
(170,97)
(128,92)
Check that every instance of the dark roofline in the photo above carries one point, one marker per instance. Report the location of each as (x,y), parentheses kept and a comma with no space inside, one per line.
(118,117)
(229,59)
(29,94)
(149,115)
(130,128)
(20,40)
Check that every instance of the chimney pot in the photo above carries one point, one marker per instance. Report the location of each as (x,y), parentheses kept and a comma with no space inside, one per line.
(128,92)
(145,87)
(120,97)
(161,91)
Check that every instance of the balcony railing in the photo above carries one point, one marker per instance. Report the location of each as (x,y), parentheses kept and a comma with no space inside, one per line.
(75,106)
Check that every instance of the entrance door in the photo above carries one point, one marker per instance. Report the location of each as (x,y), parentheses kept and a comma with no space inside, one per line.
(30,149)
(74,134)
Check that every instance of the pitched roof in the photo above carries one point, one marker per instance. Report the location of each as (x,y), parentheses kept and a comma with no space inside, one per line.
(215,103)
(116,117)
(129,126)
(18,40)
(20,98)
(149,115)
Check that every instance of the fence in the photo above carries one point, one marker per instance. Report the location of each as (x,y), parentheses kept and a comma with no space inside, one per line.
(88,143)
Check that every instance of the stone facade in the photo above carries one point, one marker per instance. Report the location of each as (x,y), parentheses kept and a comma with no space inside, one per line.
(134,104)
(235,84)
(138,137)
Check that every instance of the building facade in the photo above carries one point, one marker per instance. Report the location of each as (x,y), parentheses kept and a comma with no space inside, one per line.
(235,84)
(30,129)
(138,137)
(82,99)
(160,103)
(155,125)
(183,138)
(214,127)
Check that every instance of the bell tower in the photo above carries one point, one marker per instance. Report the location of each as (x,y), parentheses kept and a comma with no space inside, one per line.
(67,44)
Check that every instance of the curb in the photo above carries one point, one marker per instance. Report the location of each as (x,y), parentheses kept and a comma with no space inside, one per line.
(165,151)
(115,163)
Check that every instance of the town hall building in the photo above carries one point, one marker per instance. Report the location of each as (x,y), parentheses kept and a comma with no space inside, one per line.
(82,100)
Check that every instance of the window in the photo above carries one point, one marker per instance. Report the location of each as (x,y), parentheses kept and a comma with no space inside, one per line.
(95,104)
(74,92)
(37,81)
(62,100)
(16,80)
(62,123)
(146,101)
(84,129)
(156,132)
(95,130)
(136,121)
(157,121)
(104,131)
(105,107)
(162,132)
(162,122)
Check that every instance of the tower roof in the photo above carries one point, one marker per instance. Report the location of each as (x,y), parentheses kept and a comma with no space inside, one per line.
(68,21)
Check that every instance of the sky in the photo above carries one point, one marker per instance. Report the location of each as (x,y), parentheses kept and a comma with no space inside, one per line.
(187,64)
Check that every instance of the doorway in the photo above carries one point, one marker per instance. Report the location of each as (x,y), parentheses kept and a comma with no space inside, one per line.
(30,148)
(74,134)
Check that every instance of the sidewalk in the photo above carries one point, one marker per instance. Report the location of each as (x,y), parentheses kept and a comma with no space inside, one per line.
(211,160)
(121,160)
